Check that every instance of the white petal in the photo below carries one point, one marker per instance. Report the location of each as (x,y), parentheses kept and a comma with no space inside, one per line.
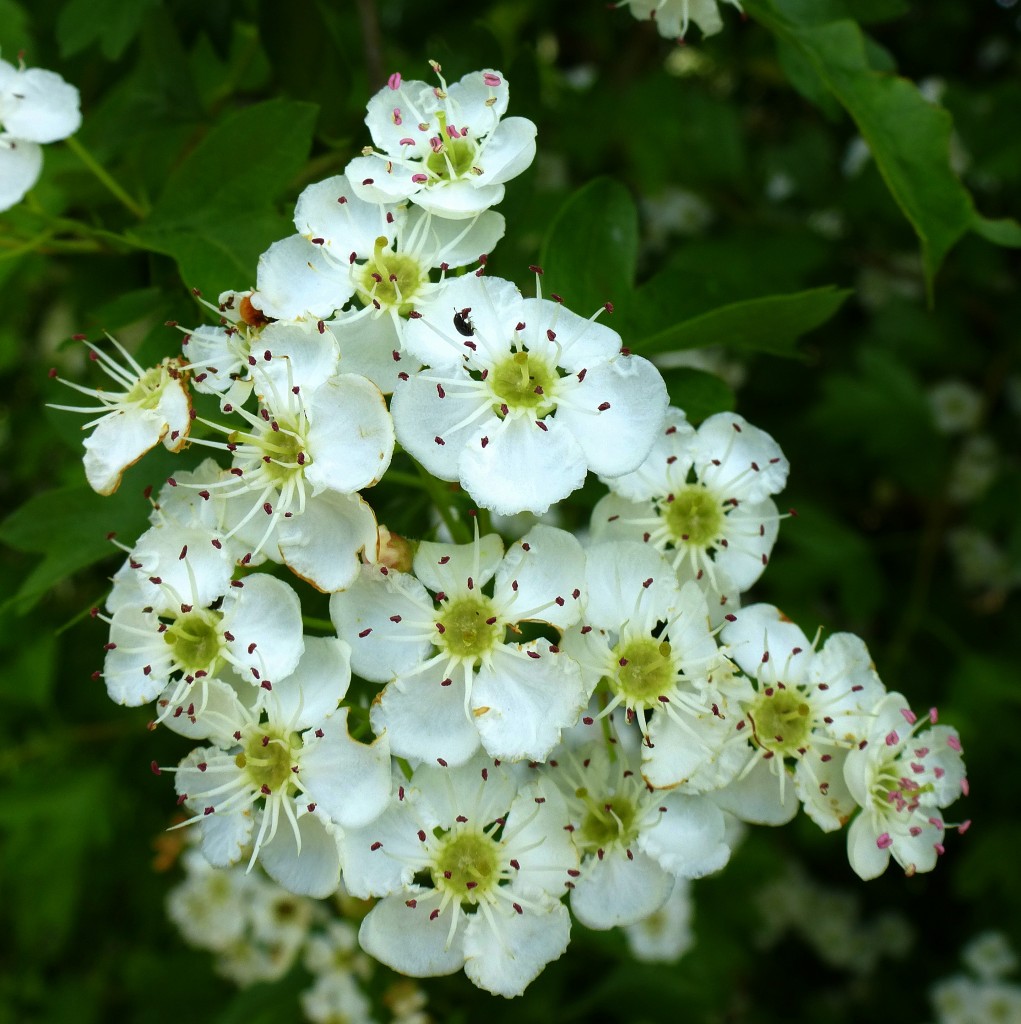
(351,440)
(368,346)
(619,891)
(324,543)
(351,226)
(495,305)
(616,413)
(46,108)
(542,579)
(136,669)
(315,688)
(380,858)
(733,456)
(578,343)
(347,780)
(21,163)
(378,616)
(314,870)
(616,574)
(508,151)
(407,940)
(407,703)
(475,103)
(505,957)
(760,629)
(297,279)
(225,834)
(458,200)
(688,840)
(522,467)
(756,797)
(425,423)
(665,467)
(373,183)
(866,858)
(524,699)
(394,114)
(264,618)
(452,241)
(292,355)
(750,531)
(448,567)
(120,439)
(822,789)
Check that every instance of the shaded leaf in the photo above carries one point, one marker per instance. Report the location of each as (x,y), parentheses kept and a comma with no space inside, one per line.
(771,324)
(591,248)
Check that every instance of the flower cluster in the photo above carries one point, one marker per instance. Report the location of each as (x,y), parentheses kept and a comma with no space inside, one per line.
(484,737)
(36,107)
(672,17)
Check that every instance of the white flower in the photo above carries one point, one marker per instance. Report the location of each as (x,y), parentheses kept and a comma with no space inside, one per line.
(901,778)
(36,106)
(295,470)
(635,841)
(523,397)
(445,148)
(672,16)
(665,935)
(470,868)
(809,706)
(447,652)
(703,496)
(153,406)
(296,774)
(381,253)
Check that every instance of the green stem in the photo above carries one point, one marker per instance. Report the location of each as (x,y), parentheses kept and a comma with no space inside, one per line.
(112,186)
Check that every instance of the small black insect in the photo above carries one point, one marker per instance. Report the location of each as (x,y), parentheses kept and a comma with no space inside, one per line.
(462,322)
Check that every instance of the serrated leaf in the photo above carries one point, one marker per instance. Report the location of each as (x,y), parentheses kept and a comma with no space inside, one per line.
(591,249)
(771,324)
(244,162)
(113,22)
(908,136)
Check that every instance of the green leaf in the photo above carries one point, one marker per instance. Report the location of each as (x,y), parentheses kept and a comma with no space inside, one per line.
(247,159)
(1006,232)
(70,527)
(114,22)
(214,216)
(908,136)
(771,324)
(698,393)
(591,249)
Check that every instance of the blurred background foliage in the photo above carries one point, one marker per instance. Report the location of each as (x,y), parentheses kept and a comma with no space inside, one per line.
(720,195)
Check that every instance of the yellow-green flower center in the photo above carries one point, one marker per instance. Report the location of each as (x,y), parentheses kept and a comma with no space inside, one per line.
(782,721)
(268,761)
(524,381)
(393,280)
(147,391)
(453,158)
(280,447)
(468,628)
(606,822)
(197,641)
(467,866)
(693,517)
(643,670)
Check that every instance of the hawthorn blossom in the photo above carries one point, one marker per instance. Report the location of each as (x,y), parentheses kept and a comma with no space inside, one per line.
(808,705)
(636,842)
(673,16)
(36,107)
(522,397)
(152,406)
(283,773)
(702,496)
(470,867)
(296,468)
(448,149)
(902,776)
(439,639)
(381,254)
